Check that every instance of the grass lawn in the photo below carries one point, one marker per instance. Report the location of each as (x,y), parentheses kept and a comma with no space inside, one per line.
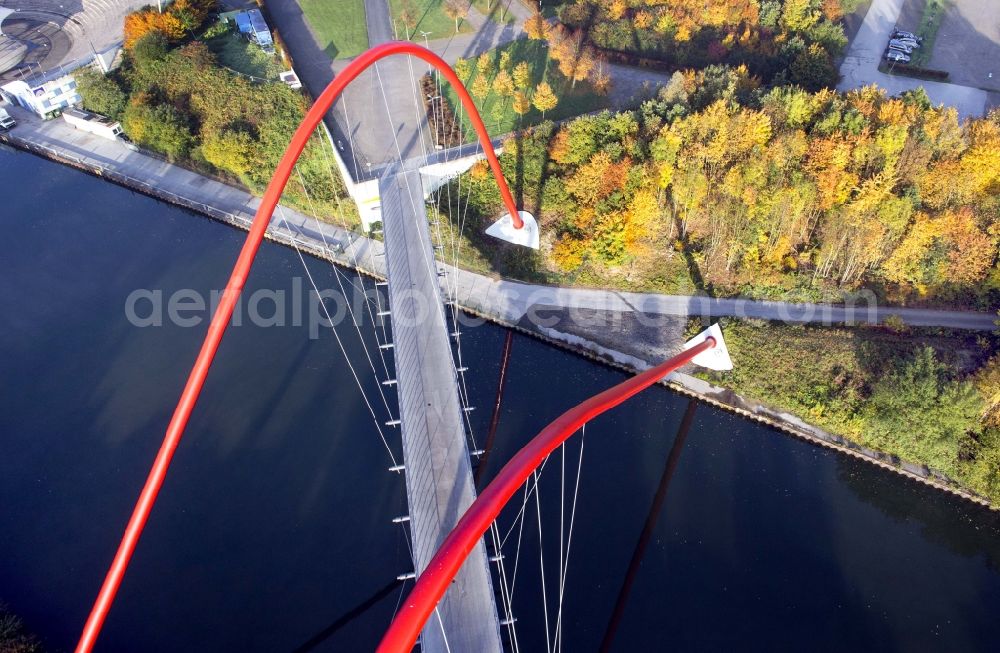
(339,25)
(237,53)
(430,17)
(498,112)
(494,9)
(930,21)
(825,374)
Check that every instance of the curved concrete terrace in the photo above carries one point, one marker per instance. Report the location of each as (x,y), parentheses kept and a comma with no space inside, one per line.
(61,32)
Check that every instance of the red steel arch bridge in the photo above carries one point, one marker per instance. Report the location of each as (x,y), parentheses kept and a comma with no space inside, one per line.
(452,605)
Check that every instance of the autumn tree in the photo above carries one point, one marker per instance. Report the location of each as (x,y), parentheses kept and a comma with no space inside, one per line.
(536,26)
(408,16)
(101,93)
(521,104)
(544,98)
(456,10)
(988,383)
(462,68)
(503,85)
(159,127)
(497,113)
(191,13)
(484,64)
(799,15)
(601,78)
(144,21)
(231,150)
(522,76)
(481,87)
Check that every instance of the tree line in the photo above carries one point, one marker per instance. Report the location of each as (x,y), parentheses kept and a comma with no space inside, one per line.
(173,97)
(770,192)
(782,41)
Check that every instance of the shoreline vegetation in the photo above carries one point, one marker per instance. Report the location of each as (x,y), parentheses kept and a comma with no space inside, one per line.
(724,184)
(796,426)
(719,184)
(206,99)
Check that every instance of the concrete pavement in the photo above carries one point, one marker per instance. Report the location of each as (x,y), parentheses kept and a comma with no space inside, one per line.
(389,94)
(860,67)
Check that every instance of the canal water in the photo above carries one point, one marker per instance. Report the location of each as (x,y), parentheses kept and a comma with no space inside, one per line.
(274,529)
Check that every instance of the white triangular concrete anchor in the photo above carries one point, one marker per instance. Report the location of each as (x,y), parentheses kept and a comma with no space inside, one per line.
(717,358)
(526,235)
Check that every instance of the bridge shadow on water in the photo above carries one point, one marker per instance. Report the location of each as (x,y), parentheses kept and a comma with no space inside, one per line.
(343,620)
(670,466)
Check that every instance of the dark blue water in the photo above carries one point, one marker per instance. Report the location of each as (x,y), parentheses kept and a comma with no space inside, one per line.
(273,531)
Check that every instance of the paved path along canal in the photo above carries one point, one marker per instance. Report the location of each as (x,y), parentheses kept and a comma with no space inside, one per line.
(501,299)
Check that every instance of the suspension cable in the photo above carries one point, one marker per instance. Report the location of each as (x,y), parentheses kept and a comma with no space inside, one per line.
(433,583)
(340,343)
(237,280)
(339,275)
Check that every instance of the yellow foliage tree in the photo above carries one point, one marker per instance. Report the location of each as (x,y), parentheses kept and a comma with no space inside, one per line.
(503,85)
(480,87)
(536,26)
(522,76)
(568,253)
(544,98)
(522,104)
(144,21)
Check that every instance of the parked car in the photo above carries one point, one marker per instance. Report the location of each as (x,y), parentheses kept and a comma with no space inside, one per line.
(897,56)
(903,34)
(6,122)
(905,46)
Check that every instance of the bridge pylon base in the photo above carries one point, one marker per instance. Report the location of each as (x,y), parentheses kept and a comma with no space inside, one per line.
(526,236)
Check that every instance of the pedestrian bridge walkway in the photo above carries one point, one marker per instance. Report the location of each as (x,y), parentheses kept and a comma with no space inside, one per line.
(439,483)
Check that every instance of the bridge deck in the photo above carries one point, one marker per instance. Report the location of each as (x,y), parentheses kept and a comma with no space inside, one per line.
(439,483)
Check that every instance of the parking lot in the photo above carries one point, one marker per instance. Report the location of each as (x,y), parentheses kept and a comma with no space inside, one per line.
(860,66)
(968,40)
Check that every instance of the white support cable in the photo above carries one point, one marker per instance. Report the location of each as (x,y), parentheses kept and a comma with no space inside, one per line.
(541,566)
(451,289)
(455,311)
(463,394)
(562,525)
(444,635)
(350,139)
(520,533)
(340,209)
(524,504)
(416,106)
(399,155)
(504,588)
(340,344)
(338,274)
(341,276)
(569,539)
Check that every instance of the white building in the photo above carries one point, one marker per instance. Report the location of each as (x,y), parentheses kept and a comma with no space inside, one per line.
(44,97)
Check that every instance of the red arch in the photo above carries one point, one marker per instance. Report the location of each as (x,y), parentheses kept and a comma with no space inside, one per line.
(195,381)
(433,582)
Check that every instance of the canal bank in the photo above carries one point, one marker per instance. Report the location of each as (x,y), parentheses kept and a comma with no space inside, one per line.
(275,527)
(562,316)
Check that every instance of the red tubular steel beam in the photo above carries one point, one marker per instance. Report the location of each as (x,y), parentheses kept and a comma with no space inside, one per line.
(195,381)
(433,582)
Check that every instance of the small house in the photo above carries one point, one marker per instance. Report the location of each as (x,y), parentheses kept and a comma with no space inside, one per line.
(44,97)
